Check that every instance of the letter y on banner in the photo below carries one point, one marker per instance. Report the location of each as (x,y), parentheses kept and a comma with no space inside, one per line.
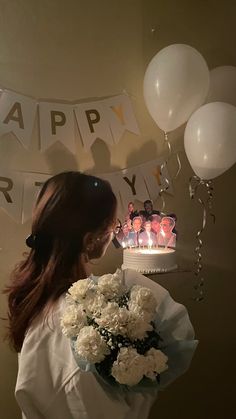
(156,177)
(132,186)
(120,116)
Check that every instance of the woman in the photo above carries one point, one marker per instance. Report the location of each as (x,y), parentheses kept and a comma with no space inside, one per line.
(73,222)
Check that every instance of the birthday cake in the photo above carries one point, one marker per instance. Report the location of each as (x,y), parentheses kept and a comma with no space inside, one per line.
(148,239)
(149,261)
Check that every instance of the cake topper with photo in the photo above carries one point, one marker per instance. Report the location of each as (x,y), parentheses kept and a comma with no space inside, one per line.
(147,227)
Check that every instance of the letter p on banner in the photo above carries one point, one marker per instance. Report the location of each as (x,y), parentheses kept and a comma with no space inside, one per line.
(56,124)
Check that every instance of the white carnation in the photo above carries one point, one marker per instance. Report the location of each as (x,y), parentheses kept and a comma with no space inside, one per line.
(82,289)
(73,319)
(129,368)
(143,299)
(90,345)
(138,327)
(136,310)
(112,285)
(156,363)
(93,304)
(114,318)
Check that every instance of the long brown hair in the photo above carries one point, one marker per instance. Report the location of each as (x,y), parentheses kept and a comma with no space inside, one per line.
(69,205)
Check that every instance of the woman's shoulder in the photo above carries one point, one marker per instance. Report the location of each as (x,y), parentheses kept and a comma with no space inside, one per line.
(44,340)
(47,324)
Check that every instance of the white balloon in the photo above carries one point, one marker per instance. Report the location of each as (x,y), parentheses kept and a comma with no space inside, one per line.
(222,85)
(176,83)
(210,139)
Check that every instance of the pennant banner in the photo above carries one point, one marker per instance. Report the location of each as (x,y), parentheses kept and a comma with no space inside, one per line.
(92,122)
(56,124)
(133,186)
(17,115)
(105,119)
(18,191)
(120,116)
(11,194)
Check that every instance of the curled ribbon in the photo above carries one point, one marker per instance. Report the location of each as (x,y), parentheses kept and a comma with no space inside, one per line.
(166,181)
(206,208)
(164,188)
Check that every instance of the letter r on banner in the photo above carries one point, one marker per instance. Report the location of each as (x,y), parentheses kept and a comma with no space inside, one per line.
(11,194)
(6,188)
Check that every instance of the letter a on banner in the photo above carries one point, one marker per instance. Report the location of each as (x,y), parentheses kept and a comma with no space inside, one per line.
(56,124)
(17,115)
(93,123)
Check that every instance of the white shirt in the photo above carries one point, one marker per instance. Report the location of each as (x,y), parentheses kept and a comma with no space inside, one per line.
(50,384)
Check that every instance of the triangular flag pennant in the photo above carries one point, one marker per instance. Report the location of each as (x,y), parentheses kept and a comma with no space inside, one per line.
(120,116)
(11,193)
(17,115)
(56,124)
(92,121)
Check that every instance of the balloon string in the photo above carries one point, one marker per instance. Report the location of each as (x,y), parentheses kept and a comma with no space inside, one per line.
(170,152)
(168,142)
(210,197)
(179,165)
(198,262)
(165,187)
(166,181)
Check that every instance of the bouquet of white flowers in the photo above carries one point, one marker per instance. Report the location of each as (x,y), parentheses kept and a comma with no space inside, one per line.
(112,327)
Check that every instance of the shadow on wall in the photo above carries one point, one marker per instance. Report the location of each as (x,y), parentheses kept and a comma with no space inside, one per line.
(60,159)
(147,152)
(102,162)
(102,159)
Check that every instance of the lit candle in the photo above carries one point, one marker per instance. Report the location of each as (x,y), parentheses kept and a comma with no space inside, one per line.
(123,245)
(150,243)
(140,242)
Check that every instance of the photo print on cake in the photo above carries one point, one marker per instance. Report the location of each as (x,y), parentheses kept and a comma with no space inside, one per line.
(147,227)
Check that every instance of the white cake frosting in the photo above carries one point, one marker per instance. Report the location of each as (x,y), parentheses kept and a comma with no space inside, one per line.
(149,261)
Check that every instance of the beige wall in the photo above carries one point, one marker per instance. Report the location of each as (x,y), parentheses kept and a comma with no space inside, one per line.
(72,50)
